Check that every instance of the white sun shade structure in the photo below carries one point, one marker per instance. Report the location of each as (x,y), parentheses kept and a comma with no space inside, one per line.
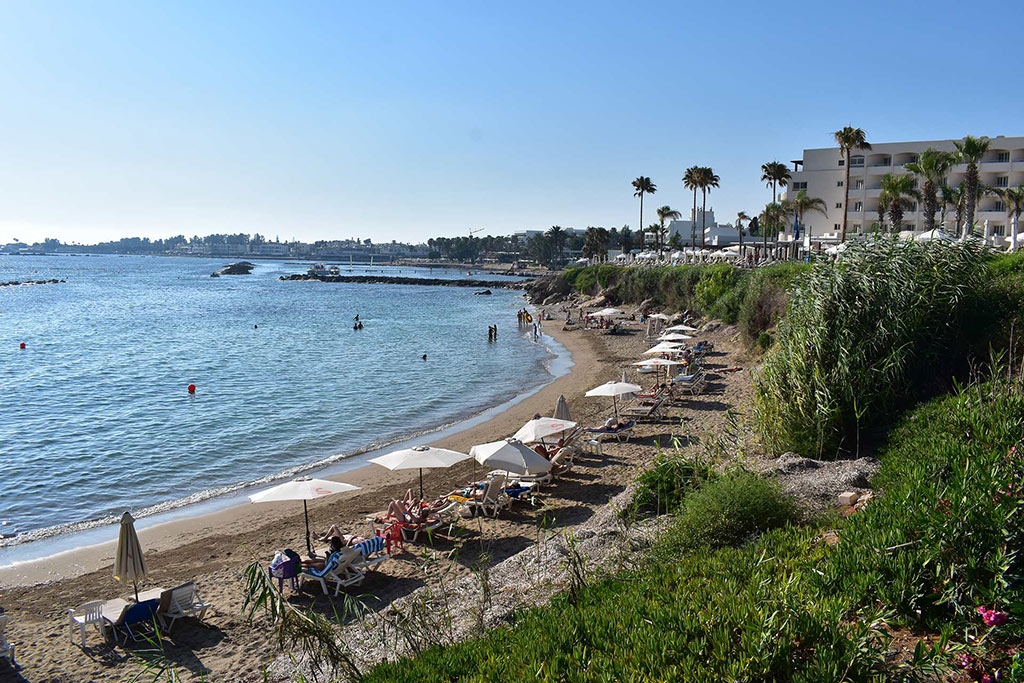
(420,458)
(608,313)
(302,488)
(510,455)
(539,428)
(657,364)
(129,564)
(680,328)
(615,389)
(674,336)
(659,316)
(935,235)
(664,347)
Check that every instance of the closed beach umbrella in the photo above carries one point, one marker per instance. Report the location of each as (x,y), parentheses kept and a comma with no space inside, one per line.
(510,455)
(129,564)
(302,488)
(541,427)
(614,389)
(561,409)
(420,458)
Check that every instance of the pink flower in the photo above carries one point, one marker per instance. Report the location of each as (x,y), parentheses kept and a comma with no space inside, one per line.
(986,679)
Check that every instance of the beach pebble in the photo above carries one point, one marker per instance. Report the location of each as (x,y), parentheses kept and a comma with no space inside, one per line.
(848,498)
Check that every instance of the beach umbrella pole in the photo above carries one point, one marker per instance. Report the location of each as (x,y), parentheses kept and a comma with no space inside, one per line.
(421,484)
(309,541)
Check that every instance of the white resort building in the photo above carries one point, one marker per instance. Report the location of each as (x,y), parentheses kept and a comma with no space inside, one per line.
(820,172)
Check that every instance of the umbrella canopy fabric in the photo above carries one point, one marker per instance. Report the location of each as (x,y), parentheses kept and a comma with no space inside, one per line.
(561,409)
(510,455)
(129,564)
(680,328)
(664,347)
(659,316)
(933,235)
(420,458)
(302,488)
(657,363)
(614,389)
(541,427)
(674,336)
(608,313)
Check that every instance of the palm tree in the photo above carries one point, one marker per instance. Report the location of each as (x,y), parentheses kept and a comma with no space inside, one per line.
(1013,200)
(775,174)
(643,185)
(803,203)
(932,166)
(849,138)
(741,217)
(953,196)
(969,151)
(666,213)
(557,236)
(898,190)
(707,179)
(690,179)
(773,215)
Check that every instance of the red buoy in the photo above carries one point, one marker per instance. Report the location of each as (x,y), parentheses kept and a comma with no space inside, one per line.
(191,388)
(22,346)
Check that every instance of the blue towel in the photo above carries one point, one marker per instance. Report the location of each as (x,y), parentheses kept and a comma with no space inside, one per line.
(330,566)
(371,546)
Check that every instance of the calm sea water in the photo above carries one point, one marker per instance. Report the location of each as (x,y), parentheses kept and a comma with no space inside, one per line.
(96,418)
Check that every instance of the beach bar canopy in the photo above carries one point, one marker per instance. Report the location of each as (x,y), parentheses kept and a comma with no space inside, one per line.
(420,458)
(302,488)
(511,455)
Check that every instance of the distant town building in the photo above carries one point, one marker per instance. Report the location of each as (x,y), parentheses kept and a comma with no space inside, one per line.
(821,173)
(714,234)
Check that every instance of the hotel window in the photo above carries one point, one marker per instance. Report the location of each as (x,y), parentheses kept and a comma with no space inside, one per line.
(800,186)
(856,161)
(999,230)
(842,162)
(1003,157)
(839,183)
(836,226)
(858,184)
(858,206)
(1000,206)
(839,205)
(912,207)
(1003,181)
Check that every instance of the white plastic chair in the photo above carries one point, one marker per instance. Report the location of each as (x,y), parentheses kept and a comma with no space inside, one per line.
(89,613)
(184,601)
(6,649)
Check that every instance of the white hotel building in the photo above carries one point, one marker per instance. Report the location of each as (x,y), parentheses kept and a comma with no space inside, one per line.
(821,174)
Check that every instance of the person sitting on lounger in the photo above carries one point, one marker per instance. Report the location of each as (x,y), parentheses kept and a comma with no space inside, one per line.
(319,563)
(612,424)
(346,539)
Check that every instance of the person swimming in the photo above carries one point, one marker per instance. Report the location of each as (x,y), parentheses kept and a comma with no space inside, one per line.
(424,356)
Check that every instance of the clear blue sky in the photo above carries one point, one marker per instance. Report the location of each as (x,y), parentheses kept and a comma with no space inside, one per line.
(405,120)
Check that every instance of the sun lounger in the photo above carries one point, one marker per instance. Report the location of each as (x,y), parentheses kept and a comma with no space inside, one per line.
(175,603)
(372,552)
(338,570)
(90,614)
(619,433)
(494,498)
(6,649)
(437,519)
(647,412)
(134,619)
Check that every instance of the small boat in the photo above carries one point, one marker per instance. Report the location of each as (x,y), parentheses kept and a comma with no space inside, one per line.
(321,270)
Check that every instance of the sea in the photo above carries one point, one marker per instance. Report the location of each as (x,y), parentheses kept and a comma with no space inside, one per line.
(95,413)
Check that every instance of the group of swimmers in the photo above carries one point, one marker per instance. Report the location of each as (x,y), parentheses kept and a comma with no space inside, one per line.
(358,324)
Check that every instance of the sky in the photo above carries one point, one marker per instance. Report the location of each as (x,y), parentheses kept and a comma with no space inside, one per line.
(409,120)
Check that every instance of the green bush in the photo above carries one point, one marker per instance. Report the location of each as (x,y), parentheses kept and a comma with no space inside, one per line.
(764,301)
(662,488)
(888,322)
(729,511)
(764,341)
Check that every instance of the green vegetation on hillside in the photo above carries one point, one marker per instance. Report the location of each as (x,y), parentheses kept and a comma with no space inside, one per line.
(890,321)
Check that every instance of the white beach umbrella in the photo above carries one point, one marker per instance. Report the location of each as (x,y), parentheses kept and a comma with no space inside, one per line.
(614,389)
(657,364)
(561,409)
(932,236)
(510,455)
(674,337)
(608,313)
(129,564)
(907,235)
(304,489)
(420,458)
(660,316)
(664,347)
(680,328)
(541,427)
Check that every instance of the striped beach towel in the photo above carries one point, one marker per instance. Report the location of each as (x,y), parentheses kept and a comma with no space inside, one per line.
(371,546)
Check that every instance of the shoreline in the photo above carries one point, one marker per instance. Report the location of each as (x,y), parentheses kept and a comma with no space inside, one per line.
(191,522)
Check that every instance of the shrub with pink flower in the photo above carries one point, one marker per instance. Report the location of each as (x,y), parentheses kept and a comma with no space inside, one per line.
(993,618)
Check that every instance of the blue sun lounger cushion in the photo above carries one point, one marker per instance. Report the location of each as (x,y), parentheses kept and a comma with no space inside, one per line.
(329,566)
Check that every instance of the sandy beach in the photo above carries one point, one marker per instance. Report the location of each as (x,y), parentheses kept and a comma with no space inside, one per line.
(211,549)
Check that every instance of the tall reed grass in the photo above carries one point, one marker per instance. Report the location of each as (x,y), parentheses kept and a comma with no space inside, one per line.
(888,322)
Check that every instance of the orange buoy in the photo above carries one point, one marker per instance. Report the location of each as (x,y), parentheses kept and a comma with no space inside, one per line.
(191,388)
(22,346)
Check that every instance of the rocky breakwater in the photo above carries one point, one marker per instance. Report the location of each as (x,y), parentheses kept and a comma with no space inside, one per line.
(240,268)
(18,283)
(394,280)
